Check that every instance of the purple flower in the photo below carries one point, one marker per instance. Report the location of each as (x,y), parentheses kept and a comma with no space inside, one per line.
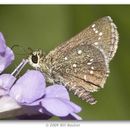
(2,43)
(6,57)
(6,80)
(6,54)
(30,90)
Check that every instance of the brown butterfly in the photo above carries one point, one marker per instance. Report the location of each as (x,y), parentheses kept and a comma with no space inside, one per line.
(81,63)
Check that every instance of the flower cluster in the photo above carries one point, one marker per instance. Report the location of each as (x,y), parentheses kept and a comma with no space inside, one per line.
(30,89)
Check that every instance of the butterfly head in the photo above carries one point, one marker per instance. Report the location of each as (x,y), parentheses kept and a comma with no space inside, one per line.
(35,58)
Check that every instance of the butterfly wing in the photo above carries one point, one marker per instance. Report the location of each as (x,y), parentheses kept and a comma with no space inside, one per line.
(82,63)
(101,33)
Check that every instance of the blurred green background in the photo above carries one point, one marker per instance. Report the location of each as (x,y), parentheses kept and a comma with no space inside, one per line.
(45,26)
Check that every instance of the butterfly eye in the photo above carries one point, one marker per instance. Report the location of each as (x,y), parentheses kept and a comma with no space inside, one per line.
(34,59)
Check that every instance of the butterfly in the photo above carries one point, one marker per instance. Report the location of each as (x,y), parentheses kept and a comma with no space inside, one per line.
(81,63)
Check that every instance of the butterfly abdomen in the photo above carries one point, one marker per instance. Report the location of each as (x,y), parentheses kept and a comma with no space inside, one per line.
(83,94)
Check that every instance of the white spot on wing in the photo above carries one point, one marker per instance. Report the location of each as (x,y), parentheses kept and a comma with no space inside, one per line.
(96,43)
(92,68)
(91,59)
(93,25)
(96,31)
(100,34)
(66,58)
(99,38)
(91,71)
(89,63)
(85,77)
(79,52)
(74,65)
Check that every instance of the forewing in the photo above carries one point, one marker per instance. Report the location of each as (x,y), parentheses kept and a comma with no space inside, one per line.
(101,33)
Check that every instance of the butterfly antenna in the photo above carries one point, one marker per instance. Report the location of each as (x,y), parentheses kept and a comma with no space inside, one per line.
(26,51)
